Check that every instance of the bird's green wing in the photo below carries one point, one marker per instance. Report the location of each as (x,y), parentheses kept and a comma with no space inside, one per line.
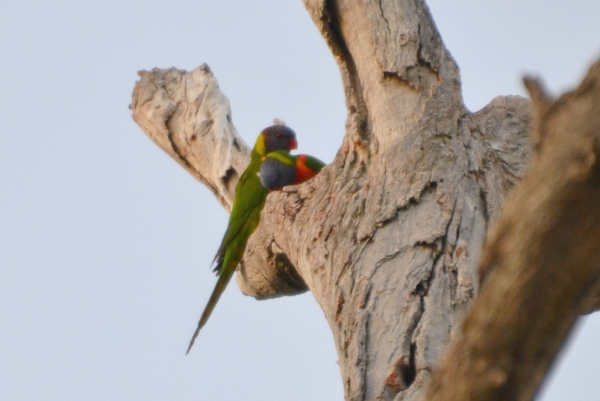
(249,193)
(248,202)
(313,163)
(282,157)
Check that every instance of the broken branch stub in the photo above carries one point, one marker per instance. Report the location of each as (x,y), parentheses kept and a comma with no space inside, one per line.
(187,116)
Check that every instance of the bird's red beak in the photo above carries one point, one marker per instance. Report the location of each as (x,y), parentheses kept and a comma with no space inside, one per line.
(293,144)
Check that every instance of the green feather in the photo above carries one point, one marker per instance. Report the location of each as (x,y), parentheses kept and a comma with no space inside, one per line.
(283,157)
(288,159)
(313,163)
(248,202)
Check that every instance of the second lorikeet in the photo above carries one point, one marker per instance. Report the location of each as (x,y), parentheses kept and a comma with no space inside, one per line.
(248,202)
(281,168)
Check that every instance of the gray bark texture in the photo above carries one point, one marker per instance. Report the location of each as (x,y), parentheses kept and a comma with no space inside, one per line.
(542,262)
(388,237)
(188,117)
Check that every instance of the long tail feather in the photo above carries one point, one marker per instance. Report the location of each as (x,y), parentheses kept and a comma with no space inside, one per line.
(212,302)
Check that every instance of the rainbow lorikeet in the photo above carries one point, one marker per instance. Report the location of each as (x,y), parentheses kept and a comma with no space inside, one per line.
(281,168)
(248,202)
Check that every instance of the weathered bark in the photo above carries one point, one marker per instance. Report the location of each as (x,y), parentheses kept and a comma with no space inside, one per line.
(391,254)
(542,260)
(190,119)
(388,236)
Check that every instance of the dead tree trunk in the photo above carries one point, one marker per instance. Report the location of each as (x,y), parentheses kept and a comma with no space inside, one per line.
(388,236)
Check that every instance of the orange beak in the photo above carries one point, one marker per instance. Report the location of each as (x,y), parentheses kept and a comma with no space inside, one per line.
(293,144)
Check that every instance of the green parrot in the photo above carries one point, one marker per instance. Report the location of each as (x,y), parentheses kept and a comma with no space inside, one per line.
(248,202)
(280,168)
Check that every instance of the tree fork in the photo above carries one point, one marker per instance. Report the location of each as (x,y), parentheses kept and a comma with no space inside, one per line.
(388,236)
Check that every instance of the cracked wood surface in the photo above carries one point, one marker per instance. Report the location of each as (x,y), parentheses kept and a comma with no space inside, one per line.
(542,262)
(188,117)
(388,236)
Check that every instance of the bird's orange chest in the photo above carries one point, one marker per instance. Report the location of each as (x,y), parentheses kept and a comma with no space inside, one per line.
(303,172)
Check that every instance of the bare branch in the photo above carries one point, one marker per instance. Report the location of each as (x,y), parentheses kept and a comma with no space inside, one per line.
(187,116)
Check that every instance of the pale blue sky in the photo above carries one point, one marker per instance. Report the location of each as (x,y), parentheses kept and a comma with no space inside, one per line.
(105,242)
